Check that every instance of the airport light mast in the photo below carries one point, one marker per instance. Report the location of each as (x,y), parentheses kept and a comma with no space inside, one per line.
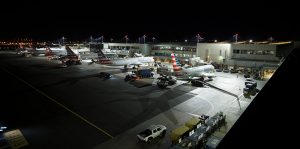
(126,38)
(271,39)
(199,38)
(91,40)
(153,38)
(144,37)
(102,37)
(63,40)
(236,37)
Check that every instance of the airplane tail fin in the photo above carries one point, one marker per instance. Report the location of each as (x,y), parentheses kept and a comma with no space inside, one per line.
(102,58)
(69,51)
(175,62)
(48,52)
(21,46)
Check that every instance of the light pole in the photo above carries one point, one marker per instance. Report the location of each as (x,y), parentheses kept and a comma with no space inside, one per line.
(153,38)
(91,39)
(198,38)
(271,39)
(144,36)
(126,38)
(236,37)
(63,40)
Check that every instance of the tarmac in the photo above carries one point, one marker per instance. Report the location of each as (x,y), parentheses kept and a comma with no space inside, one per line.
(119,108)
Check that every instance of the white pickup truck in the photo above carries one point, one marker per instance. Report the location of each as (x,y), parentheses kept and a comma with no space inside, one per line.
(152,132)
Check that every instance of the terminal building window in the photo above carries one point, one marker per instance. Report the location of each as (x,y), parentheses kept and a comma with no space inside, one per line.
(235,51)
(250,51)
(258,52)
(175,48)
(243,51)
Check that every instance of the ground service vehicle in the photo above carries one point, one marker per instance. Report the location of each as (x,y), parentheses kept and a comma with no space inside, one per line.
(152,132)
(165,81)
(145,73)
(105,75)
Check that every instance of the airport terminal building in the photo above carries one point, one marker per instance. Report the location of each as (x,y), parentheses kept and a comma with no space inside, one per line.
(183,51)
(264,57)
(260,56)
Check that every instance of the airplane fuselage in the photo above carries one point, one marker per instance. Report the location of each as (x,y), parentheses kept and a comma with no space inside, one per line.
(205,70)
(131,61)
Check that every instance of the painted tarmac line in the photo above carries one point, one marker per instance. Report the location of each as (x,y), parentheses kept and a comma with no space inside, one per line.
(59,104)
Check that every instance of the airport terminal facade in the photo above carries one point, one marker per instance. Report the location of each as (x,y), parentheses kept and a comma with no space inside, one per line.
(263,56)
(260,56)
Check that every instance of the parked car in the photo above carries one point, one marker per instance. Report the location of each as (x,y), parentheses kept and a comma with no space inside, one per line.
(250,83)
(226,70)
(197,83)
(152,132)
(105,75)
(250,91)
(131,77)
(247,75)
(233,71)
(165,80)
(250,79)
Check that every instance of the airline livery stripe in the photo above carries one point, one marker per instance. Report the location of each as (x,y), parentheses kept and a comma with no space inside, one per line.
(59,104)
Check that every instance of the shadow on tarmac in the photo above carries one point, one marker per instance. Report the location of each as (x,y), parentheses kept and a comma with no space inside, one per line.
(74,80)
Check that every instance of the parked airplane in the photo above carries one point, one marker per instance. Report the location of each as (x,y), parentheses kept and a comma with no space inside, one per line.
(64,54)
(70,58)
(198,71)
(25,51)
(55,53)
(77,49)
(126,61)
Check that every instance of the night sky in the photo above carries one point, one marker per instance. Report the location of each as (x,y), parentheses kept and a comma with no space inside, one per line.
(165,20)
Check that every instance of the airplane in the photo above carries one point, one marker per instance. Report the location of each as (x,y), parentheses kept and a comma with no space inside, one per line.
(64,54)
(138,60)
(206,70)
(200,71)
(25,51)
(70,58)
(77,49)
(55,53)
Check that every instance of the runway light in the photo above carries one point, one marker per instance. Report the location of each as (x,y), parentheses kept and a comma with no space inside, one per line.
(250,40)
